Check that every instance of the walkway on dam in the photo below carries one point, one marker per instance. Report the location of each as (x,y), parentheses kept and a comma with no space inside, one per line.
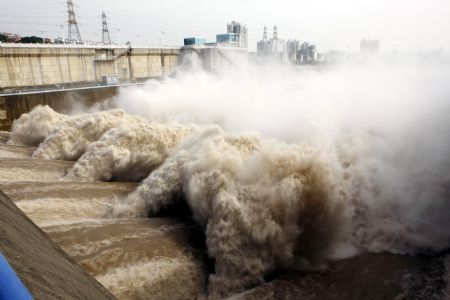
(58,238)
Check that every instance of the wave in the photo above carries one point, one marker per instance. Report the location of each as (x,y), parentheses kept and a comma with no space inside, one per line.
(372,179)
(32,128)
(70,141)
(128,152)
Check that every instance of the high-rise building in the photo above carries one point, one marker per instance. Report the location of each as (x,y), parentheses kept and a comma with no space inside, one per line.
(292,47)
(236,36)
(307,53)
(369,47)
(241,30)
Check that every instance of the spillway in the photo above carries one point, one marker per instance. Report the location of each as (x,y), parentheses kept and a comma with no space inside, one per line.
(132,258)
(165,257)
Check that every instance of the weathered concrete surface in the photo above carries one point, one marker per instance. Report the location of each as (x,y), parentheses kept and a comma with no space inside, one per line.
(48,65)
(61,101)
(43,267)
(219,60)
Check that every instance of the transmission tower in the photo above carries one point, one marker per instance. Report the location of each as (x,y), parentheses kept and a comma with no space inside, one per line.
(74,32)
(275,32)
(265,34)
(106,39)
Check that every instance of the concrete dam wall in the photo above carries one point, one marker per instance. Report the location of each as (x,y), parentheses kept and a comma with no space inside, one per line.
(58,75)
(30,66)
(61,75)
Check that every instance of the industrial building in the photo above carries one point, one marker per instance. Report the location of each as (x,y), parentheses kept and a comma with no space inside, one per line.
(273,49)
(279,50)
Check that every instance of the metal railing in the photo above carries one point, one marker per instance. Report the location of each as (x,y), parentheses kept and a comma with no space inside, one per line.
(68,89)
(88,46)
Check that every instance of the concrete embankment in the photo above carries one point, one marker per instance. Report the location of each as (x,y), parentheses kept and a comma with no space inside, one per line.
(45,269)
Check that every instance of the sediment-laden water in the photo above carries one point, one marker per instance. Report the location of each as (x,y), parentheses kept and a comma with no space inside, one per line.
(281,170)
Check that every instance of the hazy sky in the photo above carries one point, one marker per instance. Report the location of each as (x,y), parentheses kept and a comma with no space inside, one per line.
(331,24)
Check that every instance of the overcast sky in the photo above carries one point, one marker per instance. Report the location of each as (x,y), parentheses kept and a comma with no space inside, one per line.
(330,24)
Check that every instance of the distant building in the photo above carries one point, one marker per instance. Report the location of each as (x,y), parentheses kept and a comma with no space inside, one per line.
(307,53)
(273,49)
(369,47)
(228,38)
(236,36)
(292,48)
(194,41)
(12,37)
(59,40)
(237,28)
(279,50)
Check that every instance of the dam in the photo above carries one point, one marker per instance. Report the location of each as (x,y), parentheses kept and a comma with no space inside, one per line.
(61,237)
(32,74)
(60,75)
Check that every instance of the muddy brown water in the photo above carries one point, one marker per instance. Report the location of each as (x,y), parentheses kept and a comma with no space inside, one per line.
(4,136)
(154,258)
(9,151)
(16,169)
(132,258)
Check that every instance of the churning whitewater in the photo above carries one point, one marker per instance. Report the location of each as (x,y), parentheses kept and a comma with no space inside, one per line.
(263,204)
